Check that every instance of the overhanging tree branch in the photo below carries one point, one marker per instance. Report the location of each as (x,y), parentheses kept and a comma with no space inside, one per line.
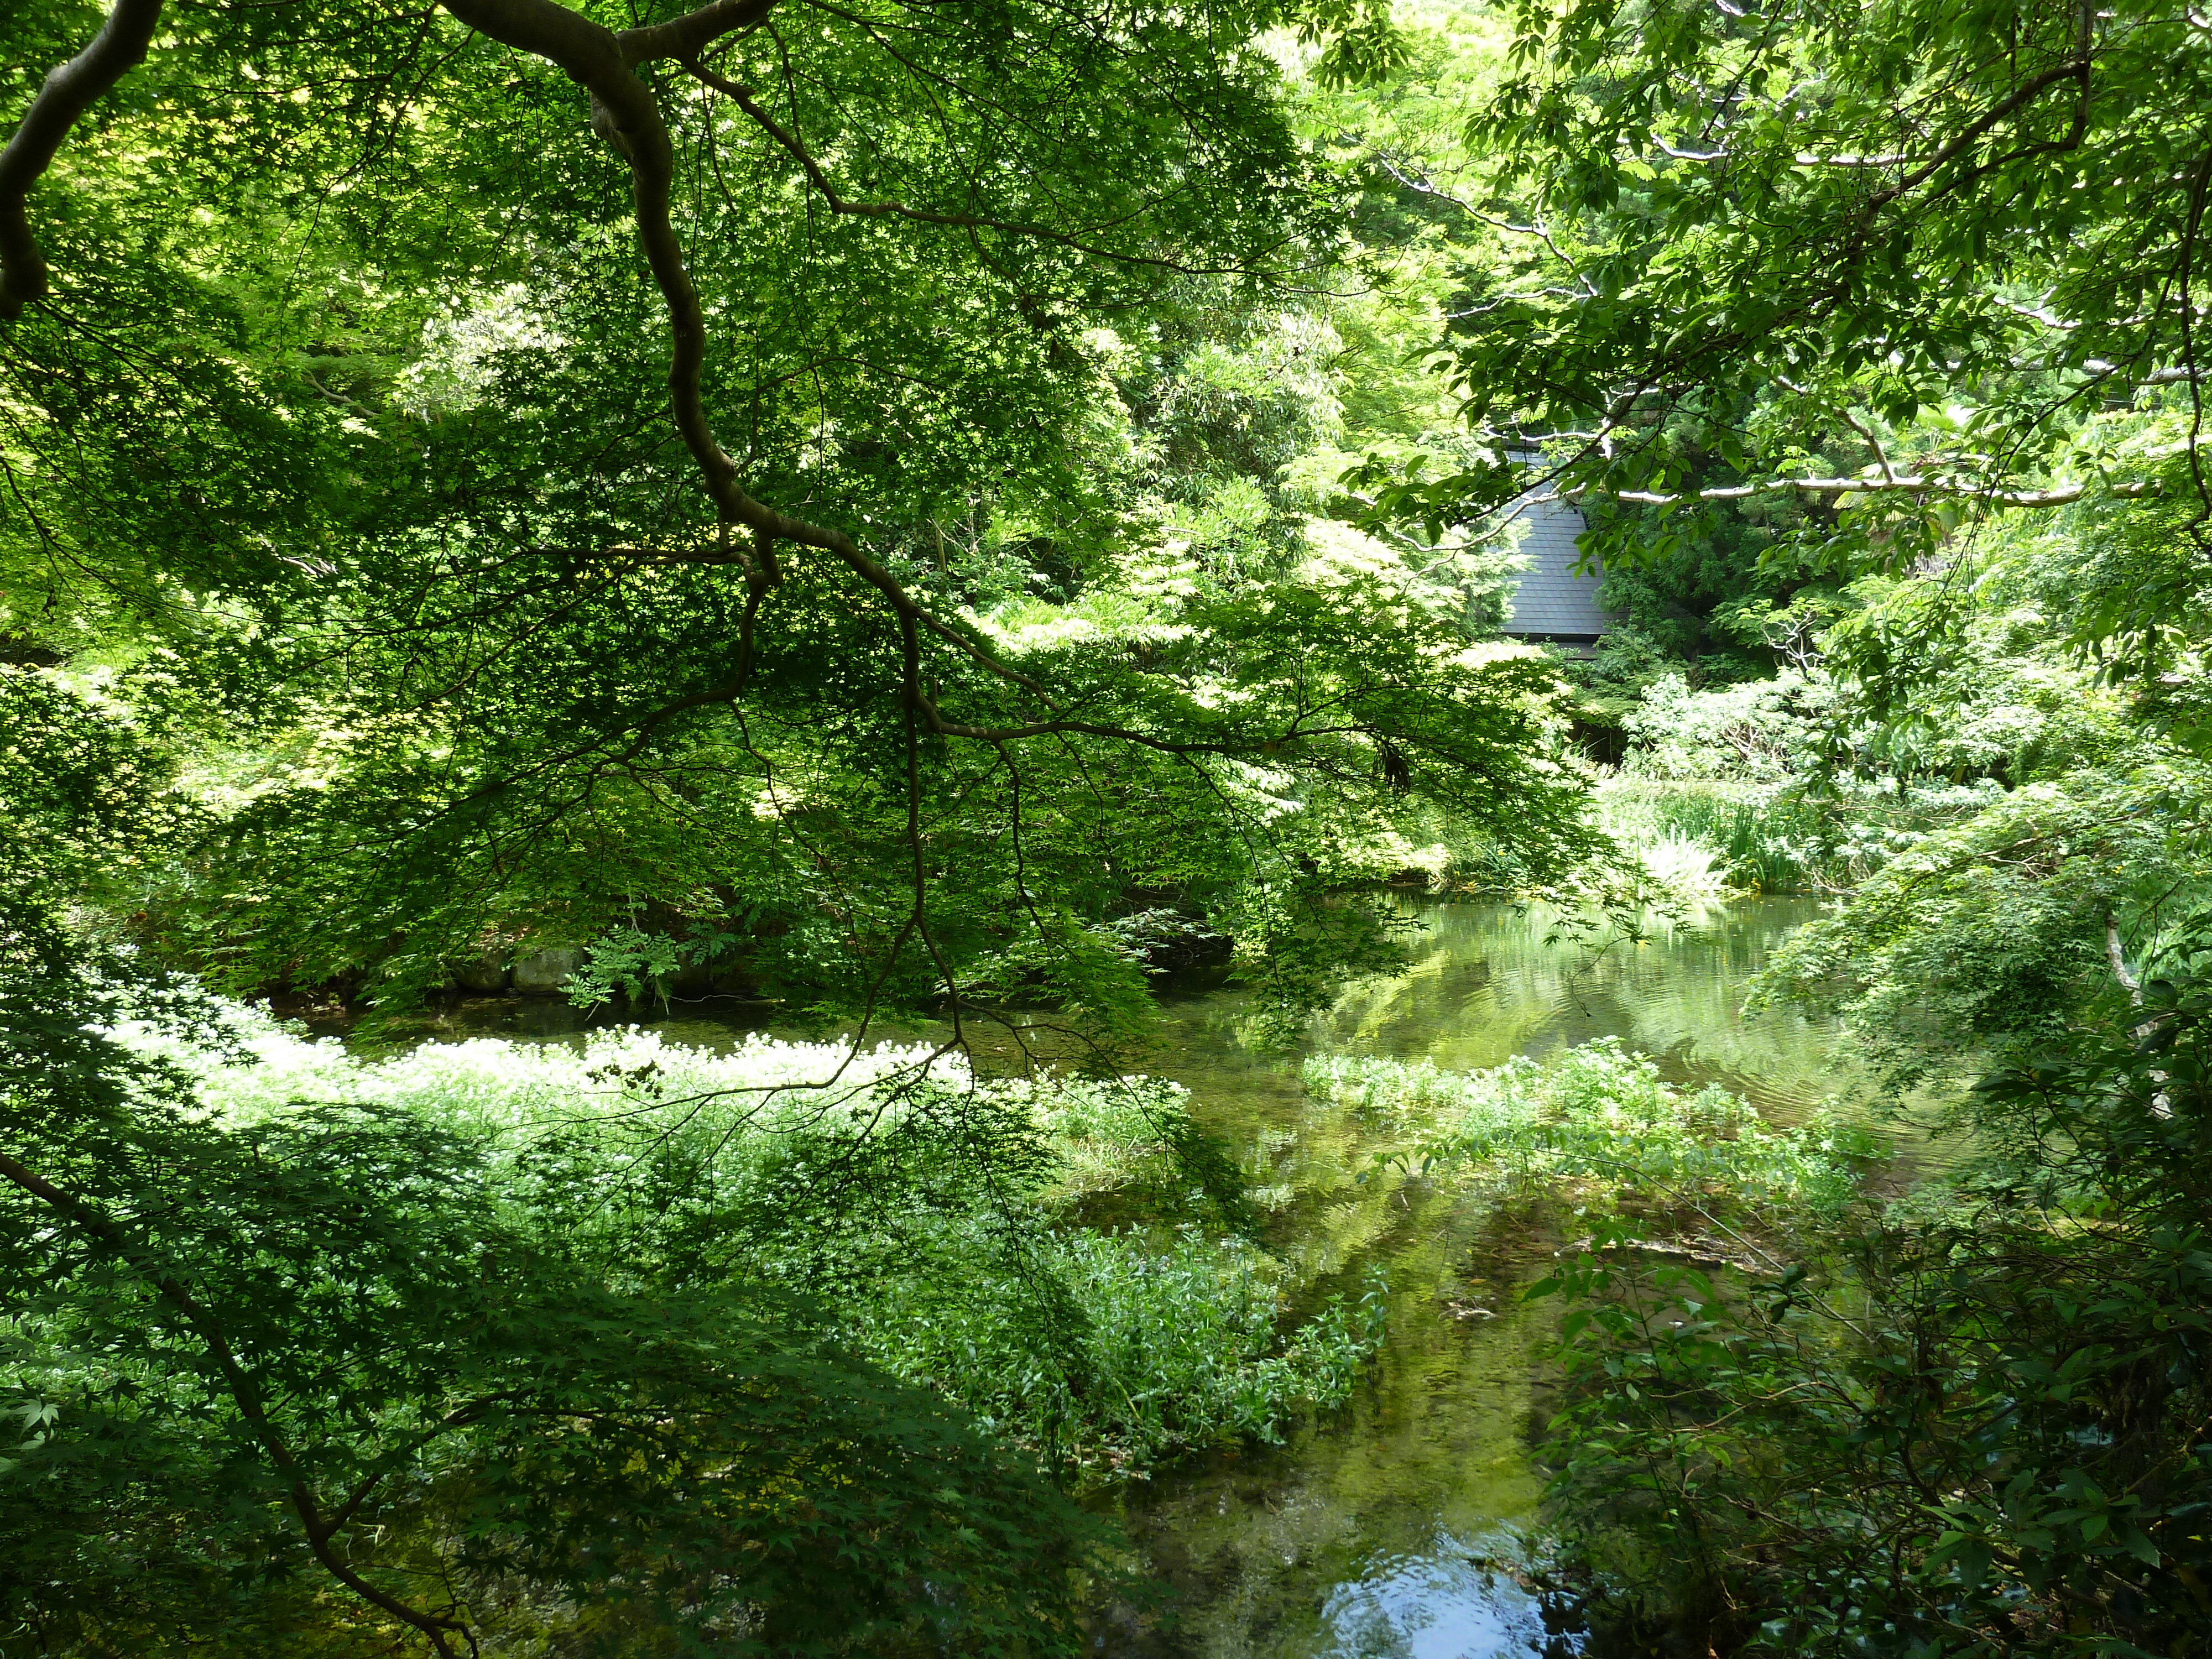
(625,112)
(686,37)
(2076,69)
(69,90)
(244,1393)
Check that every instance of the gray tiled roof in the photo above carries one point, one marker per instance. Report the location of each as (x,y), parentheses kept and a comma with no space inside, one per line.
(1551,598)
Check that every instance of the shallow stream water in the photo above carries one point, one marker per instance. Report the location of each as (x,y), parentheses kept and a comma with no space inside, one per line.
(1393,1527)
(1392,1530)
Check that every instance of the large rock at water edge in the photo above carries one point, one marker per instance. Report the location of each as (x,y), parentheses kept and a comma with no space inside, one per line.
(541,973)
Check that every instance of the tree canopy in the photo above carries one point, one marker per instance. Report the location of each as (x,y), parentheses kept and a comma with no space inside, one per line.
(640,439)
(1901,264)
(786,493)
(938,512)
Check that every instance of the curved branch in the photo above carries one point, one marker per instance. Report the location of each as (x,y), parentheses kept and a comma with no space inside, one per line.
(2074,69)
(685,38)
(1881,455)
(625,112)
(627,115)
(69,90)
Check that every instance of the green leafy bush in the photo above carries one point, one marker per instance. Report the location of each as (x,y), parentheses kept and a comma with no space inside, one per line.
(1049,1254)
(1760,730)
(332,1376)
(1171,1343)
(1972,1424)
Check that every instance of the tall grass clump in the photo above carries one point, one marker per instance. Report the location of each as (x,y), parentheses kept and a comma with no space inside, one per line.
(1481,865)
(1067,1260)
(1683,866)
(1760,838)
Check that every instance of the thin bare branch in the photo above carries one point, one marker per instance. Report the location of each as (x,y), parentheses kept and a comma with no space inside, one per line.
(1902,485)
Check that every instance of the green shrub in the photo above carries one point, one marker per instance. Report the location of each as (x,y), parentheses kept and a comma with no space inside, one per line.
(1062,1257)
(1972,1425)
(1169,1342)
(332,1376)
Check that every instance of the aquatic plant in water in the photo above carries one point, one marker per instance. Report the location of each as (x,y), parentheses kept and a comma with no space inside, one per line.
(1603,1121)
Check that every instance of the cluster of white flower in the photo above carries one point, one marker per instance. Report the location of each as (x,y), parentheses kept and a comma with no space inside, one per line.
(496,1083)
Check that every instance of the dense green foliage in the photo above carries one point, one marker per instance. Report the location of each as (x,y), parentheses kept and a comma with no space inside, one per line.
(464,654)
(1967,1418)
(1066,1259)
(1972,1425)
(339,1335)
(942,512)
(1953,234)
(808,508)
(1601,1124)
(1867,335)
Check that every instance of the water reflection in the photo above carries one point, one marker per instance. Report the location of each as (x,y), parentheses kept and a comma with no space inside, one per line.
(1391,1528)
(1486,985)
(1448,1601)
